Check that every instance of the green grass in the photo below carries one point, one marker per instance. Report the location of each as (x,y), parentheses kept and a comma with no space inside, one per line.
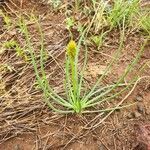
(109,16)
(12,44)
(145,23)
(6,18)
(122,10)
(112,16)
(98,40)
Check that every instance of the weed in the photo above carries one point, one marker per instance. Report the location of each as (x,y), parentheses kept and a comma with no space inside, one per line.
(12,44)
(77,4)
(145,23)
(98,40)
(56,3)
(6,19)
(5,68)
(69,24)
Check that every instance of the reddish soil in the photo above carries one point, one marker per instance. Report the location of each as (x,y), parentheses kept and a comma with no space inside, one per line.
(26,123)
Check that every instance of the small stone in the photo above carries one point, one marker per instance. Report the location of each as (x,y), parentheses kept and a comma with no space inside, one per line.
(139,98)
(136,114)
(102,147)
(17,147)
(14,92)
(140,108)
(141,146)
(147,112)
(130,116)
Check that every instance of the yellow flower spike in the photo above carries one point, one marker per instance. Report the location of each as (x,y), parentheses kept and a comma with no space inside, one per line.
(72,49)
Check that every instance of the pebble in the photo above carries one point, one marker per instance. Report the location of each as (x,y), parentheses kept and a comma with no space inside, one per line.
(130,116)
(139,98)
(102,147)
(147,112)
(17,147)
(136,114)
(141,146)
(133,115)
(140,108)
(14,92)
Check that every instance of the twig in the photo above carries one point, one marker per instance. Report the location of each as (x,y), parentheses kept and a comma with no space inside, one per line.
(97,125)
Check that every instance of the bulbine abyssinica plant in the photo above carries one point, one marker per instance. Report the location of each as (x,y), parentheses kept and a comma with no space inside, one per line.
(77,99)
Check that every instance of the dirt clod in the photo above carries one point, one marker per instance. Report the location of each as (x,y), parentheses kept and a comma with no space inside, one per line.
(139,98)
(143,137)
(140,108)
(136,114)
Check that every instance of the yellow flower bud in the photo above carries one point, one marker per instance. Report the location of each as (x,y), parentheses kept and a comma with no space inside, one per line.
(71,49)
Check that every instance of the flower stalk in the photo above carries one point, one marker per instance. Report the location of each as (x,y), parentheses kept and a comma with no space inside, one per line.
(71,53)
